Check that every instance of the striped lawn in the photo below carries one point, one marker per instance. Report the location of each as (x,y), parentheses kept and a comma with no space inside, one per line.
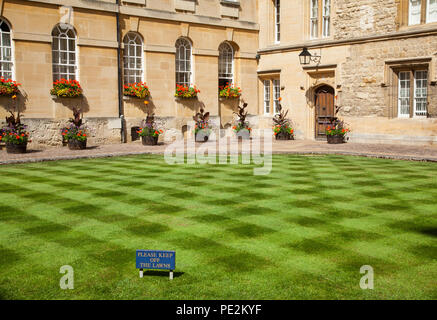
(302,232)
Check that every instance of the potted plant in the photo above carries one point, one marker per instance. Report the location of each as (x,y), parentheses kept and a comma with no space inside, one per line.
(148,132)
(8,88)
(336,133)
(15,135)
(136,90)
(66,89)
(201,128)
(229,92)
(76,134)
(186,92)
(336,130)
(282,128)
(242,128)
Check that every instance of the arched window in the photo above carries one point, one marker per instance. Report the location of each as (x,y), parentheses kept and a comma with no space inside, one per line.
(132,58)
(64,52)
(183,62)
(5,50)
(226,64)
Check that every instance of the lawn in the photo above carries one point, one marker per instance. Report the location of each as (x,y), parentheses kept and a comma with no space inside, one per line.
(302,232)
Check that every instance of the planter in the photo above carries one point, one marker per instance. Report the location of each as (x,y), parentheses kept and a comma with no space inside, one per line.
(335,139)
(243,134)
(183,98)
(284,136)
(228,98)
(202,137)
(149,140)
(76,144)
(16,148)
(54,96)
(2,145)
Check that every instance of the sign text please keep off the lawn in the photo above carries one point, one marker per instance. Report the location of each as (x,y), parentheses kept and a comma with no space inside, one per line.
(154,259)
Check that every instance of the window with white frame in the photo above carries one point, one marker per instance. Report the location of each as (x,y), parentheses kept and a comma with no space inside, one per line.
(183,62)
(326,28)
(277,21)
(314,18)
(420,93)
(132,58)
(6,63)
(431,11)
(276,94)
(414,12)
(404,94)
(266,96)
(412,101)
(64,52)
(226,64)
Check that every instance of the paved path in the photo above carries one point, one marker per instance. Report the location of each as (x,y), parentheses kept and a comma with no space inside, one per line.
(404,152)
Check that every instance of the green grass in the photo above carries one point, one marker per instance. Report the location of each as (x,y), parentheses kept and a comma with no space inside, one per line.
(302,232)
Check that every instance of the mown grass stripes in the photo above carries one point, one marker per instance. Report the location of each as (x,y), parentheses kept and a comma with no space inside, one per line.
(301,232)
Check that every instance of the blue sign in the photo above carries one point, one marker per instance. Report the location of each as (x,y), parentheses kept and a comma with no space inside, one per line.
(156,259)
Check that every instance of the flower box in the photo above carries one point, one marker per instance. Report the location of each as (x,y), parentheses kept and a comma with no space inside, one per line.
(284,136)
(138,90)
(8,87)
(149,140)
(335,139)
(229,92)
(66,89)
(74,144)
(16,147)
(186,92)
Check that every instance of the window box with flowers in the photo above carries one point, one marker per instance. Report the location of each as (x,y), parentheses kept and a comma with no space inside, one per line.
(137,90)
(148,132)
(229,92)
(75,135)
(9,88)
(15,135)
(66,89)
(186,92)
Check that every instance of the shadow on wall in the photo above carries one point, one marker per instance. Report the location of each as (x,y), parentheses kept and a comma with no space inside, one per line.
(80,103)
(13,105)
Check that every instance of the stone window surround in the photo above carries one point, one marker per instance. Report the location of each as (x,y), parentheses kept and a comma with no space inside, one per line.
(268,75)
(392,68)
(403,15)
(307,15)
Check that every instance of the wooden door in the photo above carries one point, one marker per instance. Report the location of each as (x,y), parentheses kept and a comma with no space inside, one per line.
(324,102)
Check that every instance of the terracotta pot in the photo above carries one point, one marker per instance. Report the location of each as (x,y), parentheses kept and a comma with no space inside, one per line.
(284,136)
(16,148)
(74,144)
(335,139)
(149,140)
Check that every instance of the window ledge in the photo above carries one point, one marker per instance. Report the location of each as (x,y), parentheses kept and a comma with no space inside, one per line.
(230,3)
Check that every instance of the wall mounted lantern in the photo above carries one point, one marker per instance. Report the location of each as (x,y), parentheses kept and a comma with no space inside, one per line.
(306,57)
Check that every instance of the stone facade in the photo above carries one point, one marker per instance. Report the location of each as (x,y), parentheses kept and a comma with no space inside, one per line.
(369,41)
(358,18)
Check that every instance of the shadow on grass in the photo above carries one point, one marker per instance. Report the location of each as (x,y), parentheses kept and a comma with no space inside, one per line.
(162,273)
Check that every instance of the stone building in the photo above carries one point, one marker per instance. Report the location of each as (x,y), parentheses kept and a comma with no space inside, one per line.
(377,63)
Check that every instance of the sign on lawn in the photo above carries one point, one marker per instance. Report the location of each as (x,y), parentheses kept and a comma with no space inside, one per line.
(156,259)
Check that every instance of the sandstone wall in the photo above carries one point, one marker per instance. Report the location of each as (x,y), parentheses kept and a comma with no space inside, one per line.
(363,71)
(356,18)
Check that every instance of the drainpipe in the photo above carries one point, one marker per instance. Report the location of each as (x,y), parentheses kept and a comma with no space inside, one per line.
(120,80)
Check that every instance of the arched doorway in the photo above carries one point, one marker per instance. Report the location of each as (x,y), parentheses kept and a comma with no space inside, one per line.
(324,109)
